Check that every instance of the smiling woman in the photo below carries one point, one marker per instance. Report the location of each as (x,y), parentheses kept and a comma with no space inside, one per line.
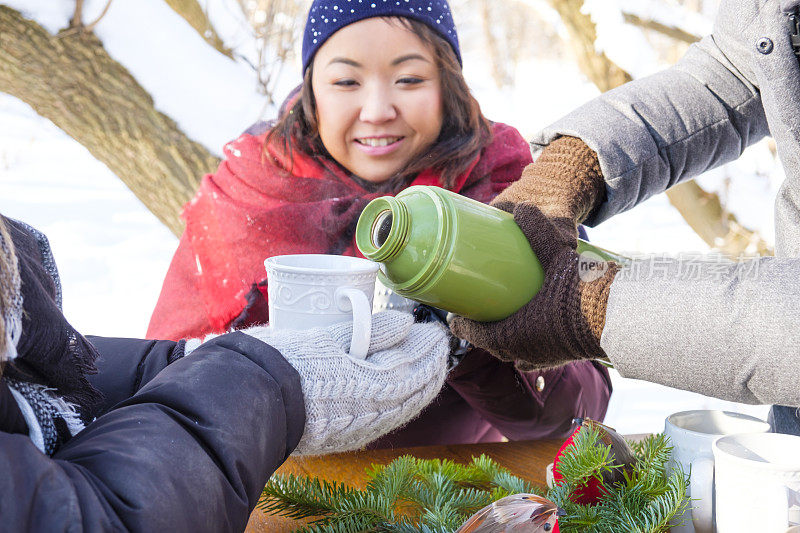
(410,76)
(377,109)
(383,106)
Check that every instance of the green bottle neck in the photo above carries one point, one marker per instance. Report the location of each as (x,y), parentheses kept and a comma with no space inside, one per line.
(383,228)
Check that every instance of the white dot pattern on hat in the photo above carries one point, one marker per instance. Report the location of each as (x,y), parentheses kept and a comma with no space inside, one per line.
(326,17)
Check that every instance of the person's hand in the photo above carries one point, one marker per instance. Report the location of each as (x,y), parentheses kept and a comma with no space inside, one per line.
(351,402)
(565,183)
(564,320)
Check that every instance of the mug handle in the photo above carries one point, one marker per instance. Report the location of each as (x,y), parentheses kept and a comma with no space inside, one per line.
(362,320)
(701,489)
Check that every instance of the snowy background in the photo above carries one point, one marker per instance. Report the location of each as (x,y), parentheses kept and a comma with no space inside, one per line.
(113,254)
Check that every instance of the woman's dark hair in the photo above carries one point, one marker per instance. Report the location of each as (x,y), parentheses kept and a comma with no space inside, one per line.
(465,131)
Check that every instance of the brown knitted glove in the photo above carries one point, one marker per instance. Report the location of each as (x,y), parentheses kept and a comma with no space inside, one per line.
(564,182)
(564,320)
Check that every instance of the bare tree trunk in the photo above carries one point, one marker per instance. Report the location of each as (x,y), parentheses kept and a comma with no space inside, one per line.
(703,211)
(498,72)
(706,215)
(71,80)
(598,67)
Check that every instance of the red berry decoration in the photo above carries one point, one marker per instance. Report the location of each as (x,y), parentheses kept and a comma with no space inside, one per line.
(587,494)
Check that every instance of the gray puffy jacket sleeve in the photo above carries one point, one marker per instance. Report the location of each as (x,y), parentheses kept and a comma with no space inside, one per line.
(722,329)
(189,450)
(654,132)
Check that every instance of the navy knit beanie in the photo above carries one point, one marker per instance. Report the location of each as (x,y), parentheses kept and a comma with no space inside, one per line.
(326,17)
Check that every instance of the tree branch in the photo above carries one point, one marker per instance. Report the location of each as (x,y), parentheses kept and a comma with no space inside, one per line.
(91,26)
(702,210)
(500,77)
(603,72)
(670,31)
(193,13)
(77,15)
(70,79)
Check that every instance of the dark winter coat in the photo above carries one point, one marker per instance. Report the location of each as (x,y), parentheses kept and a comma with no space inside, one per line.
(172,443)
(177,446)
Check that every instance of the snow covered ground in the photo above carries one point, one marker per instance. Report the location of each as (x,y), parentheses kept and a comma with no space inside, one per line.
(113,254)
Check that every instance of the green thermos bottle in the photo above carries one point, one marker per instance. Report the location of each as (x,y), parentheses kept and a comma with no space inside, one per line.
(449,251)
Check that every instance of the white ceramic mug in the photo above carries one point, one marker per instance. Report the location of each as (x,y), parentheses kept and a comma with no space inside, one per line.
(317,290)
(757,482)
(692,434)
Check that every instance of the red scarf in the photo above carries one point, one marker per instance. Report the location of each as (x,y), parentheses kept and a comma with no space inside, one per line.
(256,207)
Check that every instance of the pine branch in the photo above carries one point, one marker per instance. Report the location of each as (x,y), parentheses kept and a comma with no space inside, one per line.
(646,503)
(582,518)
(587,459)
(627,511)
(431,491)
(440,493)
(653,451)
(408,527)
(483,470)
(484,467)
(650,472)
(444,517)
(469,501)
(434,496)
(349,524)
(394,479)
(514,485)
(297,497)
(374,506)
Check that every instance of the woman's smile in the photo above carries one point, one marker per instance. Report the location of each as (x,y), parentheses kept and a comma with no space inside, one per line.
(379,146)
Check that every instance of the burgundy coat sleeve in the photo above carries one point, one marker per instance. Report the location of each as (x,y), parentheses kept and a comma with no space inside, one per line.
(531,405)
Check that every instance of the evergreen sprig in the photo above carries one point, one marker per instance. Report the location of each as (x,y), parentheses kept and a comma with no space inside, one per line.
(589,461)
(646,502)
(411,495)
(408,494)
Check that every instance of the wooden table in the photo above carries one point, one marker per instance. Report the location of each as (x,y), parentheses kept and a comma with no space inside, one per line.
(526,459)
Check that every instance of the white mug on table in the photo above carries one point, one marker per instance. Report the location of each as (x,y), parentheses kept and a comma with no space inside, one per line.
(317,290)
(757,482)
(692,434)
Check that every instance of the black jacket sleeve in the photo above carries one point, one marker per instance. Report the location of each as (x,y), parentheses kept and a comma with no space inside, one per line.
(126,365)
(189,451)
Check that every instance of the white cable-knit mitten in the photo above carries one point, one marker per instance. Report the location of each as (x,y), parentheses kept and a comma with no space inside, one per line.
(351,402)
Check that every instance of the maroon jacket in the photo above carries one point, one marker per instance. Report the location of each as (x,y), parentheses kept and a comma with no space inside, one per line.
(258,206)
(485,399)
